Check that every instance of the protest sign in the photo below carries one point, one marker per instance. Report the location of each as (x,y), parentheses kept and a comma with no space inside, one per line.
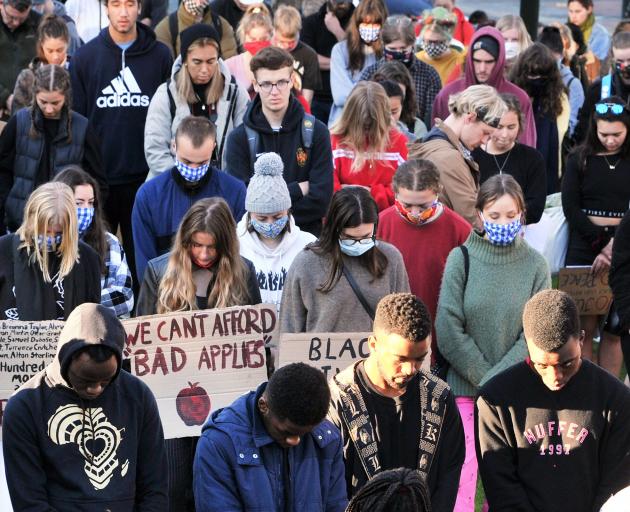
(591,292)
(330,352)
(25,349)
(198,361)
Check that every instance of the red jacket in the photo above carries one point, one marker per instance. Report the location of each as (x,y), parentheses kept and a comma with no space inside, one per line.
(376,174)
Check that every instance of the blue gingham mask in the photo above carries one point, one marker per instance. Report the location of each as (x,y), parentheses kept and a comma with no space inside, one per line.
(85,217)
(191,174)
(52,242)
(502,234)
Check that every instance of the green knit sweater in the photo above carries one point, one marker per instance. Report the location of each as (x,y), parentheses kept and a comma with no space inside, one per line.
(479,330)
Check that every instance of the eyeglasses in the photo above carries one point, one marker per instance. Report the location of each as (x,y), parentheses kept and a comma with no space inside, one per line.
(353,241)
(280,85)
(604,108)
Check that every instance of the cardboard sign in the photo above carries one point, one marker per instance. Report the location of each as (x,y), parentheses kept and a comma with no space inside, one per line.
(198,361)
(591,292)
(330,352)
(25,349)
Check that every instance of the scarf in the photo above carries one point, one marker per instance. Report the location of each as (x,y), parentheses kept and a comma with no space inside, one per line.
(587,27)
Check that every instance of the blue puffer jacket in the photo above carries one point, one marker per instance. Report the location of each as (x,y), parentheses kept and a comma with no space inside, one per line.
(238,466)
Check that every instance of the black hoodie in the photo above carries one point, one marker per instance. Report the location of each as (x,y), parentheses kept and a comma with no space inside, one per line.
(65,453)
(113,89)
(314,165)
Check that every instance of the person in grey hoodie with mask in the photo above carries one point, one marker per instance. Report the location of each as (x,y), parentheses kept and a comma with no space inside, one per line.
(268,235)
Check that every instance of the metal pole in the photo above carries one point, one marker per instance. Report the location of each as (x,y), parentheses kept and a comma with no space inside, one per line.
(530,10)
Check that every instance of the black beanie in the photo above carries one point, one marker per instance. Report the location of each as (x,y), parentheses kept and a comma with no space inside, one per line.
(487,43)
(194,32)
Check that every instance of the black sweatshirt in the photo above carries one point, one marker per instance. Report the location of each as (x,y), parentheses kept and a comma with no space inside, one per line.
(547,451)
(595,191)
(620,270)
(527,166)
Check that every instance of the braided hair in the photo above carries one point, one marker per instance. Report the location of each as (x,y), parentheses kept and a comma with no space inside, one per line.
(402,490)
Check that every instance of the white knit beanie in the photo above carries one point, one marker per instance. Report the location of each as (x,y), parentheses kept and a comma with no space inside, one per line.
(267,191)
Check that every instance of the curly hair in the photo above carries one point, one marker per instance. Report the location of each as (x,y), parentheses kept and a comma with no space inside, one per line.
(403,314)
(537,60)
(402,490)
(550,318)
(290,385)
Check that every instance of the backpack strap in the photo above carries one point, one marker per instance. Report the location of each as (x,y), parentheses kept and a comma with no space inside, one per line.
(606,86)
(232,95)
(308,127)
(216,22)
(173,28)
(252,141)
(171,101)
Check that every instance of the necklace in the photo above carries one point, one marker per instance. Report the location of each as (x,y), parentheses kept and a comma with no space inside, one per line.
(610,166)
(500,167)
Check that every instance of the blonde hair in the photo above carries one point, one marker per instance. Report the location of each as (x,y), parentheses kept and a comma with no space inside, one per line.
(287,20)
(510,21)
(482,100)
(255,16)
(177,288)
(364,123)
(184,83)
(51,203)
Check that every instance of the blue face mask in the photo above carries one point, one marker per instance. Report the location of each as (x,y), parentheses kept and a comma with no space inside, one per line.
(192,174)
(85,217)
(51,242)
(502,234)
(355,247)
(270,229)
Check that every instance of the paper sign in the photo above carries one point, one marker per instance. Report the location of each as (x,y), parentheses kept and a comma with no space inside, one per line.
(591,292)
(330,352)
(25,349)
(198,361)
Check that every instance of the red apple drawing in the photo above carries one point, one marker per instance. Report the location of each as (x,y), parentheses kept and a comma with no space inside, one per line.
(193,404)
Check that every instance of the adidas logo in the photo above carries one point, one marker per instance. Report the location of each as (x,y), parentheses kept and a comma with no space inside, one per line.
(124,91)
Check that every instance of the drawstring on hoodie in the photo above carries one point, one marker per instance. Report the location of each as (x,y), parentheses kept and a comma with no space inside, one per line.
(123,60)
(83,445)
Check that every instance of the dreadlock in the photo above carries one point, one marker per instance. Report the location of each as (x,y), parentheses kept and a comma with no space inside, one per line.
(402,490)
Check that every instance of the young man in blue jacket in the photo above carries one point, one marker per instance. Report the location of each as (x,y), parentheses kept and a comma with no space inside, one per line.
(272,449)
(114,77)
(82,435)
(162,201)
(276,122)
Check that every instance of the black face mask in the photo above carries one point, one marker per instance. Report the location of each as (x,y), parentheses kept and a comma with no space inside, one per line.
(343,11)
(536,84)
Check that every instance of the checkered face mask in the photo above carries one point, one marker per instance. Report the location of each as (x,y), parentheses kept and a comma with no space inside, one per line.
(502,234)
(192,174)
(85,217)
(49,243)
(195,7)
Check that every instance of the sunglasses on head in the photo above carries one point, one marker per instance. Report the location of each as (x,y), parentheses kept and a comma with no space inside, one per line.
(613,108)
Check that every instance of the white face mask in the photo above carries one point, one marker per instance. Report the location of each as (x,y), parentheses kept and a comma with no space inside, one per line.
(512,49)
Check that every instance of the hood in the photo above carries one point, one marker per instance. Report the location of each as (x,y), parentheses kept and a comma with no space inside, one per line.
(58,8)
(255,119)
(496,78)
(143,44)
(239,417)
(89,324)
(253,242)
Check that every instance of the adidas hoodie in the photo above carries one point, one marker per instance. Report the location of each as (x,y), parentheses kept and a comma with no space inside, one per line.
(65,453)
(272,264)
(113,88)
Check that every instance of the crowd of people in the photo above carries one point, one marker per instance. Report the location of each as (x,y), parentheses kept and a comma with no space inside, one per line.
(368,166)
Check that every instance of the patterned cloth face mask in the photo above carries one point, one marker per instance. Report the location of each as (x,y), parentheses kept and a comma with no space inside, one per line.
(435,50)
(270,229)
(195,7)
(404,56)
(85,217)
(51,243)
(417,218)
(502,234)
(192,174)
(369,32)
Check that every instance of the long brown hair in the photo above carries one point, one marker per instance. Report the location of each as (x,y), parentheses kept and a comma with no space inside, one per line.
(350,207)
(177,288)
(368,11)
(73,176)
(364,123)
(51,27)
(184,84)
(50,78)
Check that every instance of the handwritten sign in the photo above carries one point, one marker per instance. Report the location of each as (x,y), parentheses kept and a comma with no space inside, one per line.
(198,361)
(330,352)
(26,348)
(591,292)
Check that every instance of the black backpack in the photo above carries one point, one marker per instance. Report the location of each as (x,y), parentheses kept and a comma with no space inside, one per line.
(173,27)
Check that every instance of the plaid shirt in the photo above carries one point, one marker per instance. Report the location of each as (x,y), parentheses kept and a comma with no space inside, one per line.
(426,82)
(116,292)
